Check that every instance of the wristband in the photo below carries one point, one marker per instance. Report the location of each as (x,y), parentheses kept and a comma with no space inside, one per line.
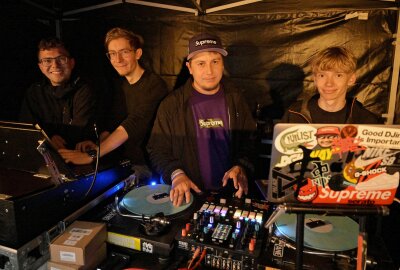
(175,173)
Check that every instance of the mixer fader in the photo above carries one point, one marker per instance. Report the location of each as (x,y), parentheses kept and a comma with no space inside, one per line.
(226,235)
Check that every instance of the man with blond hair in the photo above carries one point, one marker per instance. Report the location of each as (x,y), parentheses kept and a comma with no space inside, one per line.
(334,72)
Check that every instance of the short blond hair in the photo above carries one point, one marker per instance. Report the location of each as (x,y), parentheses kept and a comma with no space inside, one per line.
(135,40)
(334,58)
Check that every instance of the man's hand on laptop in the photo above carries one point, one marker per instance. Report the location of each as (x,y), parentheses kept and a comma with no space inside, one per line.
(75,156)
(85,146)
(58,142)
(239,178)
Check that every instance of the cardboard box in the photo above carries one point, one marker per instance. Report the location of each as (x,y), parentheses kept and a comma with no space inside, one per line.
(78,243)
(93,260)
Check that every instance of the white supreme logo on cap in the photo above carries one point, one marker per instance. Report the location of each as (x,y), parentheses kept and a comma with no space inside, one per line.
(205,41)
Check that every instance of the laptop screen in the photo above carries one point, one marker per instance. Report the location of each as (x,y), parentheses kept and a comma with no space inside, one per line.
(334,164)
(18,147)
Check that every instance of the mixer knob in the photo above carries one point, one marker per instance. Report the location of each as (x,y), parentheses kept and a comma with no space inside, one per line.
(238,224)
(234,235)
(202,236)
(232,242)
(224,211)
(197,228)
(257,227)
(211,219)
(252,244)
(222,201)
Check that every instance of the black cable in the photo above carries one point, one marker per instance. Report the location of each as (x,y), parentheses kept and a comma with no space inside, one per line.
(97,161)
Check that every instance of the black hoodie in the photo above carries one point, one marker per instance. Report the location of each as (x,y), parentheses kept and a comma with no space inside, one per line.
(66,110)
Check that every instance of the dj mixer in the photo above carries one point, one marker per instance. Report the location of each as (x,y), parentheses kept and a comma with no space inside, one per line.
(226,234)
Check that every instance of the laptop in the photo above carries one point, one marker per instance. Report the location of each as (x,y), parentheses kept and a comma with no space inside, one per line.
(26,147)
(18,147)
(334,164)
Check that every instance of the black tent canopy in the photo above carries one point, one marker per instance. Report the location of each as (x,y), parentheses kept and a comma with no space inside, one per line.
(262,37)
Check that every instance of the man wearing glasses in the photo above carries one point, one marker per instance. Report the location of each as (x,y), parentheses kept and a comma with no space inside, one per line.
(62,104)
(133,106)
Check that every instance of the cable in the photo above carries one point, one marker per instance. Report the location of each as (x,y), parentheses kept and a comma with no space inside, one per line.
(203,255)
(96,168)
(195,255)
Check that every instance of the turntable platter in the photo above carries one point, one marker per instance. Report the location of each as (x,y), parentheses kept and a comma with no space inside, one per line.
(328,233)
(150,200)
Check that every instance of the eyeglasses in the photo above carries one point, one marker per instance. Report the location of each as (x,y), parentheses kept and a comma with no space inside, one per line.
(47,62)
(113,54)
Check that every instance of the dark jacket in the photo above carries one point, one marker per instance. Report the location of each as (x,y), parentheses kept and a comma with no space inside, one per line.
(173,142)
(299,112)
(66,110)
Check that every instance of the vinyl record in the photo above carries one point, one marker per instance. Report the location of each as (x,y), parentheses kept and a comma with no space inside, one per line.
(328,233)
(150,200)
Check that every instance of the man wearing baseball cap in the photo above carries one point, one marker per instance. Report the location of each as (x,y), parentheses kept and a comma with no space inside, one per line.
(202,133)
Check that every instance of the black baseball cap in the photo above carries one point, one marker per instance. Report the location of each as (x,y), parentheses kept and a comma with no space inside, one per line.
(205,43)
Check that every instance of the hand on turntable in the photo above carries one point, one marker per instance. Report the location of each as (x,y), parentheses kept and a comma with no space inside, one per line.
(181,186)
(237,174)
(75,157)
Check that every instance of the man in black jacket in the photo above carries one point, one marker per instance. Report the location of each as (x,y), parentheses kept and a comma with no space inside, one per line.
(200,137)
(62,104)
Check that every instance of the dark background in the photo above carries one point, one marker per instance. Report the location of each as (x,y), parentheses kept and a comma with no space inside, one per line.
(269,45)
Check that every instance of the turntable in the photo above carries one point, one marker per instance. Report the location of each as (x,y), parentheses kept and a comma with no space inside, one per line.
(328,240)
(151,200)
(142,219)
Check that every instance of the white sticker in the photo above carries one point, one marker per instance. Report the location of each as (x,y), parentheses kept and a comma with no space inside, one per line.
(70,243)
(75,237)
(67,256)
(80,231)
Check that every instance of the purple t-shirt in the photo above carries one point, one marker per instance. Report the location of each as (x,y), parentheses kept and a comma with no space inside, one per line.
(210,116)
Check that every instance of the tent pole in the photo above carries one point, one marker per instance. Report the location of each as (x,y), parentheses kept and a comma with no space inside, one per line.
(40,7)
(395,77)
(58,28)
(237,4)
(164,6)
(196,3)
(72,12)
